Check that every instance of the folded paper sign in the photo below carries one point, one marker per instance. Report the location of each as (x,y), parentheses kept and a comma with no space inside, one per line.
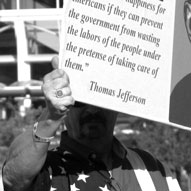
(130,56)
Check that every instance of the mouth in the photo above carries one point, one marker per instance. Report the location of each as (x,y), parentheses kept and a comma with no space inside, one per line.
(92,126)
(92,119)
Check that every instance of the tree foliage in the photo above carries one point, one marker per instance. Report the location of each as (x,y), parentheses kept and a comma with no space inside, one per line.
(169,144)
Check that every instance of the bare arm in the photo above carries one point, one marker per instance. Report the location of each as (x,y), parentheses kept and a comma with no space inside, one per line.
(26,157)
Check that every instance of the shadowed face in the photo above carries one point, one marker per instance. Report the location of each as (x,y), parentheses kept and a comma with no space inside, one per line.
(90,123)
(187,17)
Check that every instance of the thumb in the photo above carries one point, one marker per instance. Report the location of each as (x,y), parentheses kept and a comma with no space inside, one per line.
(55,62)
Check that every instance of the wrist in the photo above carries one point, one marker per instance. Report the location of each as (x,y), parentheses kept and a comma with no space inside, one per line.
(46,126)
(38,138)
(52,114)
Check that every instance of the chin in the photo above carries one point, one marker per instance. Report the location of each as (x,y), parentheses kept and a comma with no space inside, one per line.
(92,134)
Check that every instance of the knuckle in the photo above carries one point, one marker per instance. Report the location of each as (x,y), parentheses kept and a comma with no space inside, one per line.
(60,72)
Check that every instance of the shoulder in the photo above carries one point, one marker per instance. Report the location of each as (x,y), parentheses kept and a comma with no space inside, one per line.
(151,163)
(146,165)
(139,159)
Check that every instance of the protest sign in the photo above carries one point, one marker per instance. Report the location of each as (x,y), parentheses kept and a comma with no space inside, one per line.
(128,55)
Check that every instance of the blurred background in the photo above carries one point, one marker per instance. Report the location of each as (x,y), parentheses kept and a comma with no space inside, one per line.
(29,38)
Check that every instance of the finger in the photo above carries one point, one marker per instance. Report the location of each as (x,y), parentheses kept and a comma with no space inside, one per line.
(63,92)
(67,102)
(58,73)
(51,93)
(55,62)
(63,103)
(59,83)
(50,88)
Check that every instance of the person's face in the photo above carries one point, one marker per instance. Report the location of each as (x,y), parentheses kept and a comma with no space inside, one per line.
(187,17)
(89,123)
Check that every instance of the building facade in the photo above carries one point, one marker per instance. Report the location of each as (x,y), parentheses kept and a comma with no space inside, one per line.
(29,37)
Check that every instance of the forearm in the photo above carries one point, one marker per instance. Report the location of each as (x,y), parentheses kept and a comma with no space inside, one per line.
(26,157)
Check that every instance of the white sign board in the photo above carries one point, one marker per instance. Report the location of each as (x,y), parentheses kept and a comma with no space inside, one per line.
(122,55)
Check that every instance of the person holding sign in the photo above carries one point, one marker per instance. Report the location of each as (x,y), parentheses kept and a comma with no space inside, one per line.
(89,156)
